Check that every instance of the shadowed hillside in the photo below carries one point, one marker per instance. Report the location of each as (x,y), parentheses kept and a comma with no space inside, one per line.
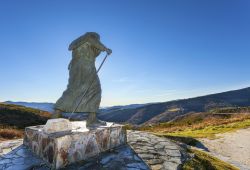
(163,112)
(48,107)
(20,116)
(14,118)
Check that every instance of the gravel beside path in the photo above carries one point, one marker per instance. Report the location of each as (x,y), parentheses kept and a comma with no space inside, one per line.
(233,148)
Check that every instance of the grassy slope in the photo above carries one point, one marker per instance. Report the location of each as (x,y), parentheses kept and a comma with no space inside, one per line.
(206,124)
(231,110)
(204,161)
(14,118)
(166,111)
(199,125)
(212,130)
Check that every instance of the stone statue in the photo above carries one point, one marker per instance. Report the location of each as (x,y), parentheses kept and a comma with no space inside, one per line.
(83,78)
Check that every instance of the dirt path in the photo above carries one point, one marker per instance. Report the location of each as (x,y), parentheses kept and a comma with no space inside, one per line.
(232,147)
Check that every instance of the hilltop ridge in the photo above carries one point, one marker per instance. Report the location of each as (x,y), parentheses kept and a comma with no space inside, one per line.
(166,111)
(152,113)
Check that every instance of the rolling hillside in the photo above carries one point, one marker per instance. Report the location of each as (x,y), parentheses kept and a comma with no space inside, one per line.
(153,113)
(20,116)
(14,118)
(203,124)
(167,111)
(49,107)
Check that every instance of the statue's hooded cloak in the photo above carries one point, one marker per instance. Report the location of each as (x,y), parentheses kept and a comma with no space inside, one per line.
(83,78)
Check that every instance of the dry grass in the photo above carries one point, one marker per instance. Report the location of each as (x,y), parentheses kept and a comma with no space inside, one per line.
(14,118)
(231,110)
(204,161)
(10,133)
(201,125)
(21,117)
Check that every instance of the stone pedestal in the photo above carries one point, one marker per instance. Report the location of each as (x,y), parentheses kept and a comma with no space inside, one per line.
(74,142)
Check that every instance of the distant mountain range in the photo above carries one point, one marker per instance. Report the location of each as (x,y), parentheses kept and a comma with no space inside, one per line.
(161,112)
(49,107)
(166,111)
(36,105)
(15,116)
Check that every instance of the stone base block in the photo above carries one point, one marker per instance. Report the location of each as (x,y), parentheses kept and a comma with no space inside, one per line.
(62,148)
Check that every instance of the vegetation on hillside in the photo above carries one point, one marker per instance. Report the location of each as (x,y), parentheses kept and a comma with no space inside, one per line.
(204,161)
(167,111)
(10,133)
(231,110)
(198,125)
(14,118)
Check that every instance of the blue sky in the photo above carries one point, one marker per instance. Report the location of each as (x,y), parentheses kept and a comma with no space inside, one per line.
(162,50)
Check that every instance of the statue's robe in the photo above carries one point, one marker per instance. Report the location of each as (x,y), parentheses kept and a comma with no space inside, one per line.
(83,78)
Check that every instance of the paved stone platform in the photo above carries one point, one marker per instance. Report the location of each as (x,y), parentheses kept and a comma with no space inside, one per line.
(9,145)
(61,142)
(157,152)
(143,152)
(122,158)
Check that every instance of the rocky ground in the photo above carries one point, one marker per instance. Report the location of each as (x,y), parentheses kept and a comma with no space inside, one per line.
(157,152)
(233,148)
(145,151)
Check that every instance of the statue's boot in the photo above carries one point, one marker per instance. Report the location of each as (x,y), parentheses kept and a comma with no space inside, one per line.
(93,121)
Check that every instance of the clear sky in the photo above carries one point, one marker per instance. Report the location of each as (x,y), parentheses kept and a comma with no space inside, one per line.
(162,50)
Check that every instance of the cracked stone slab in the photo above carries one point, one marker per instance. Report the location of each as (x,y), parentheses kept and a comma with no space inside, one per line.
(19,158)
(123,157)
(7,146)
(161,153)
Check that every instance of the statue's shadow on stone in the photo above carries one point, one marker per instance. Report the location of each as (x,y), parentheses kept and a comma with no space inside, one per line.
(21,158)
(120,158)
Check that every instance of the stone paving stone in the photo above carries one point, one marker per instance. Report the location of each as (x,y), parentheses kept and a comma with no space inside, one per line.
(174,159)
(161,153)
(5,161)
(155,161)
(159,146)
(146,156)
(172,147)
(157,154)
(107,159)
(173,153)
(170,165)
(157,167)
(137,158)
(135,165)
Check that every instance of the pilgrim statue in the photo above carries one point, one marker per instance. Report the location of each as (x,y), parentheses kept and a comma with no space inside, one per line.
(83,93)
